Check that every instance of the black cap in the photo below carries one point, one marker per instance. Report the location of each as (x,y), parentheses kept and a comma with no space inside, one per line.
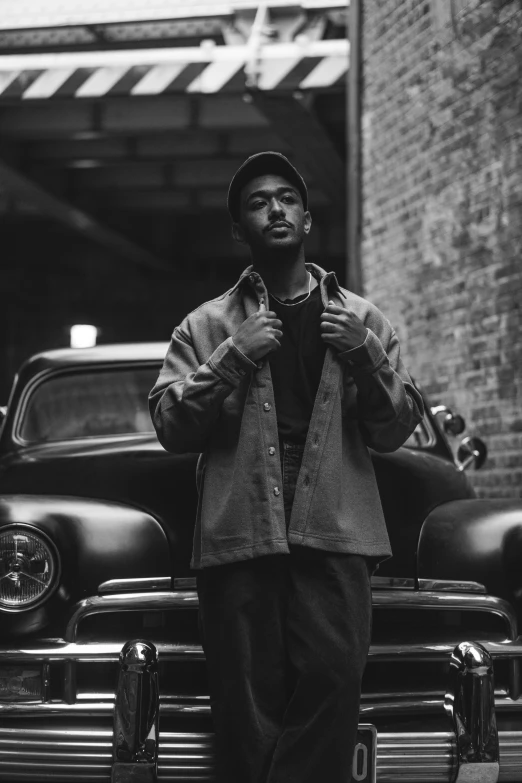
(257,165)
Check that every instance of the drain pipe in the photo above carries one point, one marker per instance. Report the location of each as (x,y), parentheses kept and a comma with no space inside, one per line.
(353,272)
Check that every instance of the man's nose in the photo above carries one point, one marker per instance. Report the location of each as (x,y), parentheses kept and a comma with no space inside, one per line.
(276,208)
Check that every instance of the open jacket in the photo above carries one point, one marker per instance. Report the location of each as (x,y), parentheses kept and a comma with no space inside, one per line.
(210,398)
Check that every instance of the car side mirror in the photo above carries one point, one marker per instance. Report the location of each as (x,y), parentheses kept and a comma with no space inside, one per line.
(453,423)
(471,452)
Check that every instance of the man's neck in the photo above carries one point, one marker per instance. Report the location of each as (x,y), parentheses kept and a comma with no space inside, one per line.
(284,278)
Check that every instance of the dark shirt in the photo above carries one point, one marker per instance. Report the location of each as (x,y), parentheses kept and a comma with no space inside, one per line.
(297,366)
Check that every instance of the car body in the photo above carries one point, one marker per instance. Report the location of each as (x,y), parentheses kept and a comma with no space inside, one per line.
(102,519)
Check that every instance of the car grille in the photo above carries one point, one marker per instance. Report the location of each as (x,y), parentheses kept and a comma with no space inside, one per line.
(84,754)
(68,735)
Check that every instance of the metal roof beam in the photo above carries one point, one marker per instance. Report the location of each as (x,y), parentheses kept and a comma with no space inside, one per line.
(63,212)
(58,13)
(175,201)
(307,65)
(311,146)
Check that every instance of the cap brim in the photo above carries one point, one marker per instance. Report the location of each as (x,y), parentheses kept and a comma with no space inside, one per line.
(257,165)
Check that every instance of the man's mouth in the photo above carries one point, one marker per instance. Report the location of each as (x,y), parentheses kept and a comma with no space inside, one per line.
(278,224)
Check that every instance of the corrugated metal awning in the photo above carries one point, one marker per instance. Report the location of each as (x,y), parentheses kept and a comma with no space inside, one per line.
(20,14)
(286,67)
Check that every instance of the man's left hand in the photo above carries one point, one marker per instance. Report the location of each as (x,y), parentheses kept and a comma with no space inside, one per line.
(342,328)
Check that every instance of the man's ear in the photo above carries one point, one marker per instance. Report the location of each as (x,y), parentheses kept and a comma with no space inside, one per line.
(238,234)
(307,222)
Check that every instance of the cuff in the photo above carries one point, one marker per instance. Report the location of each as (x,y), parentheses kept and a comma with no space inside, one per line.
(230,363)
(365,358)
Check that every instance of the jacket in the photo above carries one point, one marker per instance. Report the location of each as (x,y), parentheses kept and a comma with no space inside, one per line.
(210,398)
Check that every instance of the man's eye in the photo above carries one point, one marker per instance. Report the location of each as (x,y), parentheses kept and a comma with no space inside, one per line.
(258,204)
(289,199)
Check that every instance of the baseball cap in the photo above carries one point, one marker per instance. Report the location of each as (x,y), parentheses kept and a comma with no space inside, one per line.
(257,165)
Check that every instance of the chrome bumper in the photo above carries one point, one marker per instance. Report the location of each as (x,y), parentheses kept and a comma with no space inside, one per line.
(81,754)
(136,715)
(66,747)
(474,752)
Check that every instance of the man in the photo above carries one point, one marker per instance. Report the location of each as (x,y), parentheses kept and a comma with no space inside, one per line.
(282,383)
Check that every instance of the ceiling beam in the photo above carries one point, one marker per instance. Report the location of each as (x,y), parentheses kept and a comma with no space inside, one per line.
(63,212)
(309,141)
(168,147)
(173,200)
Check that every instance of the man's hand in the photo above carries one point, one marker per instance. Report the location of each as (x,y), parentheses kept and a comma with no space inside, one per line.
(259,334)
(342,328)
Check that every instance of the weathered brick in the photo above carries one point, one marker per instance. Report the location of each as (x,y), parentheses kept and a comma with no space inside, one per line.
(442,209)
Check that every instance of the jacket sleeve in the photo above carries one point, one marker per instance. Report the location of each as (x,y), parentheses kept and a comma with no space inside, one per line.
(389,405)
(187,398)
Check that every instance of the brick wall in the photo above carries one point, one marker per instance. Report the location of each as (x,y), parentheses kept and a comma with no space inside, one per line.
(442,195)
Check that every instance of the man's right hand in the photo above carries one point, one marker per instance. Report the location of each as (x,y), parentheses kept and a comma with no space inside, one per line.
(259,334)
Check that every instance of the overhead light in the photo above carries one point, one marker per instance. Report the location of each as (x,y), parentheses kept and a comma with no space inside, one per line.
(83,336)
(84,163)
(87,135)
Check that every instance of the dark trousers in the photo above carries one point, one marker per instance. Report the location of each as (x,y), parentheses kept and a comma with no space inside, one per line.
(286,639)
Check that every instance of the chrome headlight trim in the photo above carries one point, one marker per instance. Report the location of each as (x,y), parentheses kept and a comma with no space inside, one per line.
(54,555)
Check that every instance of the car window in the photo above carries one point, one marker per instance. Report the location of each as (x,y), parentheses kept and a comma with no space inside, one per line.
(89,404)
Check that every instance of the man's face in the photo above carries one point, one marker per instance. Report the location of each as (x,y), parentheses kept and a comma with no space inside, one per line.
(272,216)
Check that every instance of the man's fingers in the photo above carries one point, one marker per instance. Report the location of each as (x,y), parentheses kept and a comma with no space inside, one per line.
(328,327)
(333,308)
(329,318)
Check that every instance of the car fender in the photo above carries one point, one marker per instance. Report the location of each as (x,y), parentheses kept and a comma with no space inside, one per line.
(96,540)
(477,540)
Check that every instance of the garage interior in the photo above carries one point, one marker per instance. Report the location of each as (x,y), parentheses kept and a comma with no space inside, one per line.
(120,130)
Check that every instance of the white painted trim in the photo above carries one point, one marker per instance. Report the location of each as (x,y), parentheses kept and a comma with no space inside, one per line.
(215,76)
(325,73)
(157,79)
(47,84)
(127,58)
(100,82)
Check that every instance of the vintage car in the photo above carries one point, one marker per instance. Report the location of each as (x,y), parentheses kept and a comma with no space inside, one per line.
(102,675)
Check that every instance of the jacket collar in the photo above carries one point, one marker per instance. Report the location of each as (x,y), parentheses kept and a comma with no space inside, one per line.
(326,280)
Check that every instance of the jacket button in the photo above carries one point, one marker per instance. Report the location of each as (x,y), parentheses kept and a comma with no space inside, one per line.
(242,372)
(267,406)
(252,278)
(271,451)
(276,491)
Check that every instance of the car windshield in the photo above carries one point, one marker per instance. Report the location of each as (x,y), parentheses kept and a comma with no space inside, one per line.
(87,404)
(98,403)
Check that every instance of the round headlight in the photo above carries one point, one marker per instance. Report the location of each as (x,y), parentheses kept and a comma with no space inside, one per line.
(29,567)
